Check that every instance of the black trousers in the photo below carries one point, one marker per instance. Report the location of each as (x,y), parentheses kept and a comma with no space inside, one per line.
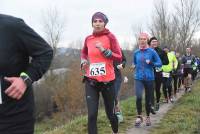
(141,85)
(17,116)
(25,127)
(157,86)
(194,74)
(167,87)
(175,78)
(93,90)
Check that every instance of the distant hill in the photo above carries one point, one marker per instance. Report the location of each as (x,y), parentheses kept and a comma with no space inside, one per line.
(65,56)
(67,51)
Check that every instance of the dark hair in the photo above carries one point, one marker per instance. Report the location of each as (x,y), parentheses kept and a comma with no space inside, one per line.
(152,38)
(165,47)
(101,16)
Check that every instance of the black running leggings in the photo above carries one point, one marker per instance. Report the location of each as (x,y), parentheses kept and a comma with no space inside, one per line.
(157,86)
(92,98)
(175,78)
(141,85)
(167,87)
(158,83)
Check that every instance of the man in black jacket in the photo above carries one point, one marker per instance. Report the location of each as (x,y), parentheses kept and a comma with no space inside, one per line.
(24,58)
(153,42)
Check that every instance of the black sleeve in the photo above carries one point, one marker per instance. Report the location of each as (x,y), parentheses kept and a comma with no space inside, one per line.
(193,59)
(164,58)
(123,59)
(183,61)
(35,47)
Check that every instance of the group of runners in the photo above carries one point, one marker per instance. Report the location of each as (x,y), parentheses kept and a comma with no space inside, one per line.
(102,60)
(153,67)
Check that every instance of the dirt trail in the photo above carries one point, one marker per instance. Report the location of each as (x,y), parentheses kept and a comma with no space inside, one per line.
(155,119)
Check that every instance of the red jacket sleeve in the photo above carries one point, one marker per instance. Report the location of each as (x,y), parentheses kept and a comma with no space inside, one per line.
(84,51)
(115,48)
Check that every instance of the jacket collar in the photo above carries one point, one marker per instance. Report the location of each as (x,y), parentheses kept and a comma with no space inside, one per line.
(104,32)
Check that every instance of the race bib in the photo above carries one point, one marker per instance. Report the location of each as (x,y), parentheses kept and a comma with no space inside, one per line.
(166,75)
(194,67)
(158,69)
(0,94)
(189,62)
(97,69)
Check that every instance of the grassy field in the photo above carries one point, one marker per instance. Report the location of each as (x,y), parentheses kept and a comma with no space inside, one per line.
(184,118)
(79,125)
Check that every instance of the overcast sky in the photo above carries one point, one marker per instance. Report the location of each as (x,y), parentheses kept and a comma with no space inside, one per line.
(122,15)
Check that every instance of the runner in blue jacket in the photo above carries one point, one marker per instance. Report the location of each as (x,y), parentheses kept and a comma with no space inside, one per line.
(144,60)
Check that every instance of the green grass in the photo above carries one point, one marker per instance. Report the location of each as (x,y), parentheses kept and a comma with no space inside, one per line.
(79,124)
(184,117)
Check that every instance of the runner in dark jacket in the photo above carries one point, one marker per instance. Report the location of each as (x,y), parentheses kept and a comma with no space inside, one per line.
(153,42)
(188,60)
(18,42)
(177,76)
(118,66)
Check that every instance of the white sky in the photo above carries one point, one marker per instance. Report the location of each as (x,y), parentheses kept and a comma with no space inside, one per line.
(122,15)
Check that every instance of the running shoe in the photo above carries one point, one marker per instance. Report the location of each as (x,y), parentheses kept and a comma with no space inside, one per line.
(152,110)
(165,100)
(148,121)
(138,121)
(157,106)
(119,117)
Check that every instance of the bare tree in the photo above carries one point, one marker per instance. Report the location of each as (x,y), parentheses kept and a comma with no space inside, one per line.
(53,26)
(127,45)
(188,21)
(161,23)
(77,44)
(195,46)
(136,29)
(176,30)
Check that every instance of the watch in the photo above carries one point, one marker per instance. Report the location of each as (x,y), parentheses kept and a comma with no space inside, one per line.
(26,80)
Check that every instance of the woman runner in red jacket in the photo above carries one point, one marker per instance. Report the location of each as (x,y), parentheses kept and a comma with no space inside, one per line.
(99,51)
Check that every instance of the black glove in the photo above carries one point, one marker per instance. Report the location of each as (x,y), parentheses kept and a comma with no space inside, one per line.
(107,53)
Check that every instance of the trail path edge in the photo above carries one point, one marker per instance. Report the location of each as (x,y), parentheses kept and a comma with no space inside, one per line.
(155,119)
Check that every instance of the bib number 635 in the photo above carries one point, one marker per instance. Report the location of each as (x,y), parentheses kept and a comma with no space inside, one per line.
(97,69)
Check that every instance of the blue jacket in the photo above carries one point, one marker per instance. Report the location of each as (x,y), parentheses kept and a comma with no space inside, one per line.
(144,71)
